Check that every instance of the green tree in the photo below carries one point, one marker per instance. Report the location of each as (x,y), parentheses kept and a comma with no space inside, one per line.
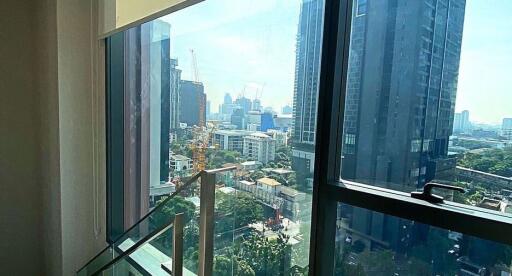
(242,268)
(496,161)
(257,174)
(174,206)
(222,266)
(237,210)
(265,256)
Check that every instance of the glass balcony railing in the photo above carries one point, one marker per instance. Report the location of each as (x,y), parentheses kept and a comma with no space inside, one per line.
(185,200)
(222,230)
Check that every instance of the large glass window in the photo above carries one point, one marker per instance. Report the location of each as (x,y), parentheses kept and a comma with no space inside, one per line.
(218,84)
(427,98)
(424,90)
(398,246)
(427,101)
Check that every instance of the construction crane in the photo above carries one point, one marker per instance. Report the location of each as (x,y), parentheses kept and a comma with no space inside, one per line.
(195,72)
(199,147)
(201,102)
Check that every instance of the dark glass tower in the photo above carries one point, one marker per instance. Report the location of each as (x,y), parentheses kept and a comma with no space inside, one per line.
(192,103)
(307,65)
(402,84)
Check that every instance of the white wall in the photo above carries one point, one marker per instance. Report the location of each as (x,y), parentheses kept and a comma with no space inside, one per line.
(52,197)
(82,214)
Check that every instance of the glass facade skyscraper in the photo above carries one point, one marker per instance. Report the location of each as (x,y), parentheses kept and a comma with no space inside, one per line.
(307,66)
(402,84)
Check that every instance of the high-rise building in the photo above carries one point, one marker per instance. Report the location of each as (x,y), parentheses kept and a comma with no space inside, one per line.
(228,99)
(227,107)
(267,121)
(192,103)
(401,90)
(208,106)
(174,80)
(307,66)
(238,118)
(244,103)
(256,105)
(287,110)
(147,99)
(506,128)
(259,147)
(402,83)
(461,122)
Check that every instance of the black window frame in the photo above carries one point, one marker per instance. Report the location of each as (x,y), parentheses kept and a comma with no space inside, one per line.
(330,189)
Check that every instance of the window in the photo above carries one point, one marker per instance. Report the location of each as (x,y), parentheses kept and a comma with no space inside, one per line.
(381,111)
(406,94)
(361,7)
(203,88)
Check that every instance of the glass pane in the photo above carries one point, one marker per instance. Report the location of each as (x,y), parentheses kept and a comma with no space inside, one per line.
(153,258)
(247,97)
(372,243)
(227,83)
(417,70)
(159,250)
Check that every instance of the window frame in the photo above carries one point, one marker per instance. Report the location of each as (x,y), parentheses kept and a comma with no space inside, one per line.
(331,189)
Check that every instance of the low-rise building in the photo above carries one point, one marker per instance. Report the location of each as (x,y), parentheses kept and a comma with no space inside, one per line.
(275,195)
(232,140)
(251,165)
(180,163)
(259,147)
(268,185)
(506,128)
(162,190)
(279,136)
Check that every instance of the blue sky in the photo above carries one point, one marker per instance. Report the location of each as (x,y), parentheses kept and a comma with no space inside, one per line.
(485,75)
(248,47)
(242,47)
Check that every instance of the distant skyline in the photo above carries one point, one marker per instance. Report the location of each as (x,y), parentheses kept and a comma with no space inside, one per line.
(250,46)
(485,75)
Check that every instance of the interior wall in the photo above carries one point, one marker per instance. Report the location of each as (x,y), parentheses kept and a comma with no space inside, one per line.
(80,208)
(20,201)
(52,185)
(49,150)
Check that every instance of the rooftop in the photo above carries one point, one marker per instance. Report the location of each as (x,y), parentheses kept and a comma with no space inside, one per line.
(268,181)
(278,170)
(251,163)
(246,182)
(289,191)
(227,190)
(233,132)
(491,204)
(179,157)
(259,135)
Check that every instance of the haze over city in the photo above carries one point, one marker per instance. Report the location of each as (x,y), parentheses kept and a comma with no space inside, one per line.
(253,52)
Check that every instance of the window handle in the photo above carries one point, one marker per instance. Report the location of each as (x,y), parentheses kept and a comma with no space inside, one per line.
(427,195)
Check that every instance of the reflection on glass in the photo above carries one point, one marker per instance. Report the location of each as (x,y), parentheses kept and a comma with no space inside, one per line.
(416,73)
(412,65)
(403,247)
(218,84)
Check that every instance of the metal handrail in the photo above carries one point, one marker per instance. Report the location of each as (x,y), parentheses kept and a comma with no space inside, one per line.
(158,207)
(154,234)
(206,220)
(206,247)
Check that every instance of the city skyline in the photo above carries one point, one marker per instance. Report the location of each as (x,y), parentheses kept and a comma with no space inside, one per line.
(267,63)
